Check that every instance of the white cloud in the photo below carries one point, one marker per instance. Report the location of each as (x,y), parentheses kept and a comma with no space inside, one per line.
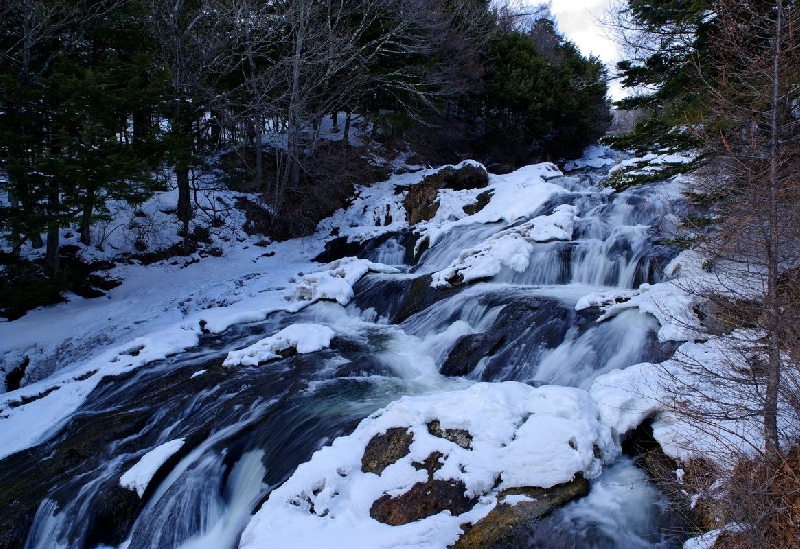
(579,21)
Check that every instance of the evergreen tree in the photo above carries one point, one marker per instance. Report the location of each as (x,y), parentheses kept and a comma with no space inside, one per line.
(66,105)
(548,101)
(667,47)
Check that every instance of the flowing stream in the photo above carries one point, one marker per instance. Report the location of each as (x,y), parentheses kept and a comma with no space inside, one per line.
(245,429)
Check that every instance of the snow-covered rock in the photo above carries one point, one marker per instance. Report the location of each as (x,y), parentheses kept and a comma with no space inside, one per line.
(139,476)
(521,436)
(302,338)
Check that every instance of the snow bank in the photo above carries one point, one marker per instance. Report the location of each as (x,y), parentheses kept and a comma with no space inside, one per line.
(522,436)
(626,398)
(378,208)
(304,338)
(653,162)
(557,226)
(508,248)
(594,156)
(516,195)
(335,281)
(669,302)
(139,476)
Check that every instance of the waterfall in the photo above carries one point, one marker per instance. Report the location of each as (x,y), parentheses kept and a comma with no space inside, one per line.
(247,428)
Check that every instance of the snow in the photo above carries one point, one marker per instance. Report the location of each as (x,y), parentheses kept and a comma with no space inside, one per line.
(706,541)
(652,162)
(303,338)
(515,195)
(522,436)
(594,156)
(139,476)
(335,281)
(508,248)
(556,226)
(670,303)
(625,398)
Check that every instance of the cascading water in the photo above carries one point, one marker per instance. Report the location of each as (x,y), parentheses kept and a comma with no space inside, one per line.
(245,429)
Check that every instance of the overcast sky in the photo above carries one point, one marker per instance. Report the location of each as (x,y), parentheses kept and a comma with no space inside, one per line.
(578,21)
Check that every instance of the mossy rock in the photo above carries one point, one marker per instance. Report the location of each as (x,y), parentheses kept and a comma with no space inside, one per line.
(509,526)
(422,203)
(468,176)
(480,203)
(431,464)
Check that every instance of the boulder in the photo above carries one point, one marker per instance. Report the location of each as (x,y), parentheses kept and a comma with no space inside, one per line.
(469,350)
(508,525)
(468,176)
(423,500)
(385,449)
(431,464)
(480,203)
(421,203)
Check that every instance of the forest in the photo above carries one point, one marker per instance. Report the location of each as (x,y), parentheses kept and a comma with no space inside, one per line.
(114,99)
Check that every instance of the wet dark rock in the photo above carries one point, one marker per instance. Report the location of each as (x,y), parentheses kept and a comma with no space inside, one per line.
(340,247)
(461,437)
(385,449)
(536,324)
(15,375)
(397,299)
(510,526)
(647,454)
(115,509)
(423,500)
(21,494)
(420,296)
(471,349)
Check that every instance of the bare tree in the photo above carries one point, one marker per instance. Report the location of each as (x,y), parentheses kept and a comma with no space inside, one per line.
(337,55)
(196,46)
(752,181)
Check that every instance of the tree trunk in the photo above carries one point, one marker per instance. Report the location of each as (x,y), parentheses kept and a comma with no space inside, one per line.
(295,107)
(183,124)
(346,135)
(86,218)
(16,237)
(773,313)
(53,237)
(184,201)
(259,154)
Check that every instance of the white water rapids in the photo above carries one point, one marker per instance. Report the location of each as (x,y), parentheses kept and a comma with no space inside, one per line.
(248,428)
